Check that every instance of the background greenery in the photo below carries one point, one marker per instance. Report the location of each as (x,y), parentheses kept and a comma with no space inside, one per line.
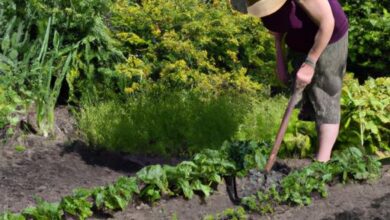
(369,47)
(174,77)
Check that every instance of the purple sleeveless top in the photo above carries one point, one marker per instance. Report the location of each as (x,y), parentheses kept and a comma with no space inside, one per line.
(300,29)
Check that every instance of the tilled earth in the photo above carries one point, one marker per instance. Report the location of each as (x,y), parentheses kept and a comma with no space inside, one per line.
(51,169)
(351,201)
(57,170)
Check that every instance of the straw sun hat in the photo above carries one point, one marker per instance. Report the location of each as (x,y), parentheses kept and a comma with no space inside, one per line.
(262,8)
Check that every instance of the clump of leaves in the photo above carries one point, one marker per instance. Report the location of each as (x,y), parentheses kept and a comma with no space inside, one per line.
(43,211)
(262,202)
(299,138)
(16,54)
(247,155)
(229,214)
(12,216)
(180,177)
(116,196)
(297,187)
(81,24)
(351,164)
(78,205)
(365,116)
(197,175)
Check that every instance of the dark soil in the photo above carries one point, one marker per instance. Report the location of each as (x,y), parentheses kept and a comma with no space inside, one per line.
(345,202)
(53,168)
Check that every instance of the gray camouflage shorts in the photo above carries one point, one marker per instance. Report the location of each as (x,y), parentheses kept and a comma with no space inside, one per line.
(321,98)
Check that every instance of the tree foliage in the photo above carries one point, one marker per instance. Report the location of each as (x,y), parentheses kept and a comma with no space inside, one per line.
(369,34)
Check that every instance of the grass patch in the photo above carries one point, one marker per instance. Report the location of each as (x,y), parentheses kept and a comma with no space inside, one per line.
(172,123)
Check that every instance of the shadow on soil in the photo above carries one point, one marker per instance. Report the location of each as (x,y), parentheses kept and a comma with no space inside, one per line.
(119,162)
(111,160)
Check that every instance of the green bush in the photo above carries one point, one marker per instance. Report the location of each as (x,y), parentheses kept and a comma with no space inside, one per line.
(369,34)
(81,27)
(191,45)
(365,121)
(365,114)
(170,122)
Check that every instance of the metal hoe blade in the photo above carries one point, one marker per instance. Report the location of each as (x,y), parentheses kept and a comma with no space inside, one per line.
(231,185)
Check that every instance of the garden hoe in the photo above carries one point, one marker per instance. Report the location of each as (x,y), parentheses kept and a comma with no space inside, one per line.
(231,180)
(283,127)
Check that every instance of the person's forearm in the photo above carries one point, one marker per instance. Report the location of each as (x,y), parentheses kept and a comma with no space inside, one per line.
(322,39)
(321,14)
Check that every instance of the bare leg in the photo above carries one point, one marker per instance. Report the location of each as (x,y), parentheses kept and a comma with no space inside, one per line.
(327,135)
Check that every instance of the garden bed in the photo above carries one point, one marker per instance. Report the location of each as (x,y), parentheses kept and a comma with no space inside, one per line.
(52,169)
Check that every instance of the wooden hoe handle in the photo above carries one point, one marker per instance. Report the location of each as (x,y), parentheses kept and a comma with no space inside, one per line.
(282,129)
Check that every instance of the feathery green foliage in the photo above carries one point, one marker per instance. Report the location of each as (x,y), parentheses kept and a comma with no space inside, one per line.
(166,123)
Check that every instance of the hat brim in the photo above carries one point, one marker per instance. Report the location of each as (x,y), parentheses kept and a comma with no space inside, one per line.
(265,7)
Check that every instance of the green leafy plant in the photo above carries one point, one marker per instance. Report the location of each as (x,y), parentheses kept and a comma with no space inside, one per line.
(365,115)
(300,138)
(82,25)
(262,202)
(29,67)
(44,211)
(155,179)
(247,155)
(116,196)
(20,148)
(77,205)
(229,214)
(352,164)
(49,64)
(11,216)
(298,187)
(180,176)
(15,58)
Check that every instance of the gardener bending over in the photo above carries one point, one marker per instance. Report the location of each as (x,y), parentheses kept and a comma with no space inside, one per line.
(316,33)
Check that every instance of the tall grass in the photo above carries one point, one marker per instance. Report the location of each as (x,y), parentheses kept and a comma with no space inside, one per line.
(262,122)
(173,123)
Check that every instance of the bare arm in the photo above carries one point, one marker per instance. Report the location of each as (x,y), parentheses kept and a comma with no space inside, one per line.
(321,13)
